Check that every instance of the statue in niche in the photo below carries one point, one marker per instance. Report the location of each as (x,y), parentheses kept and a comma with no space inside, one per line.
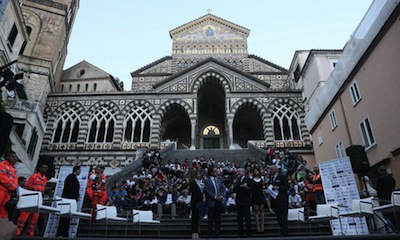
(209,32)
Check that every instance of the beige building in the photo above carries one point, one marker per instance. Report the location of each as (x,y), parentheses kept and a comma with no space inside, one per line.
(358,103)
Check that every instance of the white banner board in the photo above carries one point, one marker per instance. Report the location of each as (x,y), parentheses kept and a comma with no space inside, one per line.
(53,220)
(340,187)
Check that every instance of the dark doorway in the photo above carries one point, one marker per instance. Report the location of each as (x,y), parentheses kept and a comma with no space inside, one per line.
(211,109)
(247,125)
(175,126)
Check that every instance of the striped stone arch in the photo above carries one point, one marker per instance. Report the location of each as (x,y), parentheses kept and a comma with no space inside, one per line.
(200,80)
(255,104)
(101,103)
(152,112)
(51,117)
(141,102)
(163,109)
(296,107)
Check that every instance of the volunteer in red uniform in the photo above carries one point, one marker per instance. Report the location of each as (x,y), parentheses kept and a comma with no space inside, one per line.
(37,182)
(96,194)
(318,189)
(99,171)
(8,181)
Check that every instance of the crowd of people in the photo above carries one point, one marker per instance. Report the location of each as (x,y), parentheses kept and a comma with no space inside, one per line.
(195,189)
(179,188)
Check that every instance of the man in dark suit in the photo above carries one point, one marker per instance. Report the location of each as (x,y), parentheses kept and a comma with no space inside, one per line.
(280,203)
(214,191)
(70,191)
(243,188)
(167,202)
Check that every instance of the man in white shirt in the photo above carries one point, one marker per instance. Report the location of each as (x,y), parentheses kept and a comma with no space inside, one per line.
(183,203)
(295,200)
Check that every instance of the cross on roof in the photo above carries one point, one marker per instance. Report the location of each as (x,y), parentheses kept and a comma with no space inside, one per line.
(208,10)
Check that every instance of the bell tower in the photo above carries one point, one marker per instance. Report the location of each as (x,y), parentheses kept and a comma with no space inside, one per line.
(49,25)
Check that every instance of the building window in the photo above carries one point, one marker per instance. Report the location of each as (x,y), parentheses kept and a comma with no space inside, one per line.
(62,87)
(86,87)
(66,126)
(70,87)
(355,93)
(286,123)
(333,62)
(340,150)
(102,125)
(319,137)
(78,87)
(366,133)
(297,73)
(137,125)
(95,87)
(332,118)
(13,35)
(33,143)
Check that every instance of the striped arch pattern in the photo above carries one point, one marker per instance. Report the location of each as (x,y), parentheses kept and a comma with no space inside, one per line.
(143,103)
(50,117)
(114,109)
(255,104)
(77,106)
(202,78)
(296,107)
(163,109)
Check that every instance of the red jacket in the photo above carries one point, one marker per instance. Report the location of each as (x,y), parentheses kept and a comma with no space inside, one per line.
(8,177)
(36,182)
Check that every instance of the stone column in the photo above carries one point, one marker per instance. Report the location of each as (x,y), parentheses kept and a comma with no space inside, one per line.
(230,128)
(193,133)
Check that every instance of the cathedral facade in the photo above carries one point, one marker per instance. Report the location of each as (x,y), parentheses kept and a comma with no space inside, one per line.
(209,94)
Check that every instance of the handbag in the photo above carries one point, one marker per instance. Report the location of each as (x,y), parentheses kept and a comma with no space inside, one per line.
(202,209)
(12,203)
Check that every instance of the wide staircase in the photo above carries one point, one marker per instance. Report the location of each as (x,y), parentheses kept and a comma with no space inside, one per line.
(179,228)
(239,155)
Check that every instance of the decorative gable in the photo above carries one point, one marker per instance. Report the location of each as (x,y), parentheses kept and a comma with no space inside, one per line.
(232,79)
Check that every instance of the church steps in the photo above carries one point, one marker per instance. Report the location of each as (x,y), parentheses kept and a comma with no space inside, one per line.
(181,228)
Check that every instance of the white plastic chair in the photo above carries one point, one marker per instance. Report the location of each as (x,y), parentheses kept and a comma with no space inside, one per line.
(296,214)
(326,212)
(144,217)
(68,208)
(32,201)
(109,213)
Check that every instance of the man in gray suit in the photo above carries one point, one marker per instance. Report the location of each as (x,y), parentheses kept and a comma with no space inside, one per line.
(214,201)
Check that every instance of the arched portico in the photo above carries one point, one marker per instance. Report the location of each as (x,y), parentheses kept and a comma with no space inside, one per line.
(211,113)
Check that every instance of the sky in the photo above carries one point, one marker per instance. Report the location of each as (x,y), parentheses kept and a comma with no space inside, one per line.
(121,36)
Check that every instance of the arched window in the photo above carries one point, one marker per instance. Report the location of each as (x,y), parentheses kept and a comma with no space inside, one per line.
(86,87)
(78,87)
(66,126)
(70,88)
(101,125)
(286,123)
(137,125)
(95,87)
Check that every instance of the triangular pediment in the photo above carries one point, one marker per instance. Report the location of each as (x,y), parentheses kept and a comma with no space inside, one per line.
(84,70)
(209,27)
(234,79)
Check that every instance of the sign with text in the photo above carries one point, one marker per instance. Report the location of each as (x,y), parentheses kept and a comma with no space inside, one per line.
(340,187)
